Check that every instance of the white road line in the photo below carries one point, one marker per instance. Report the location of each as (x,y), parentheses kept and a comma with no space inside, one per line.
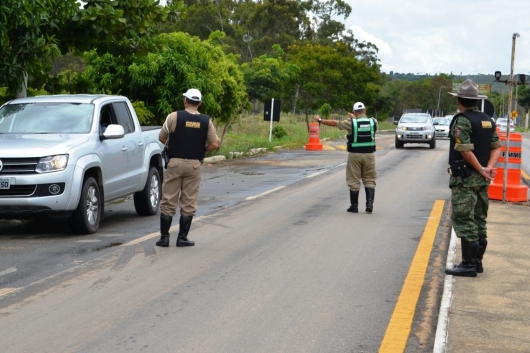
(440,340)
(264,193)
(8,271)
(317,173)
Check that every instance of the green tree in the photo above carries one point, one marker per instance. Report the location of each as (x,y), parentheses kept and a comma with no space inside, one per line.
(523,97)
(253,27)
(27,39)
(116,26)
(159,78)
(332,74)
(423,94)
(267,76)
(36,31)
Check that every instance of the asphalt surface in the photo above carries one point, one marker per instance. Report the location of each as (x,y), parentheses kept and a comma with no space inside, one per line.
(491,312)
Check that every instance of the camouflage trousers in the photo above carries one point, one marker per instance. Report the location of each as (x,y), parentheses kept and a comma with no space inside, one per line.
(470,210)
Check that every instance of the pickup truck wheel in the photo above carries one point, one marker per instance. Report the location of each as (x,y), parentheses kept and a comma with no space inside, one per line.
(85,219)
(399,144)
(432,144)
(147,201)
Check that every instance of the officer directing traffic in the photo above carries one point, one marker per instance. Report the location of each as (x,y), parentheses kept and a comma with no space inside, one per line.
(361,160)
(188,135)
(474,149)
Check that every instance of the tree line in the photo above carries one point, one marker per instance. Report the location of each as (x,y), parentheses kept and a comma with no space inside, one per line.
(237,52)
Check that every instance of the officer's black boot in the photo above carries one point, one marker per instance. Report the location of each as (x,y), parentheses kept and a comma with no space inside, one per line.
(165,224)
(185,224)
(354,201)
(467,268)
(370,193)
(482,245)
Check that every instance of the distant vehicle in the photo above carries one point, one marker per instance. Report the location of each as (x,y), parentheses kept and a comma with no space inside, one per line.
(441,125)
(501,124)
(415,128)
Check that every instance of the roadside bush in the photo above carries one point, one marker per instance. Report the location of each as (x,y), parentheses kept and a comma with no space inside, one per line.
(279,131)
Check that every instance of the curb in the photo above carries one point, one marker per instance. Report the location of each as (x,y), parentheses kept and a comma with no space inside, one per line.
(440,340)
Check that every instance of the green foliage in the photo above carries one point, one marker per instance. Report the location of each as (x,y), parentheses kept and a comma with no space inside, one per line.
(423,94)
(523,96)
(116,26)
(267,76)
(253,27)
(5,95)
(32,92)
(325,110)
(334,75)
(145,116)
(159,78)
(278,131)
(27,37)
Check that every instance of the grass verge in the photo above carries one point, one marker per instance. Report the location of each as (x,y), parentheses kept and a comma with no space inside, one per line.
(252,132)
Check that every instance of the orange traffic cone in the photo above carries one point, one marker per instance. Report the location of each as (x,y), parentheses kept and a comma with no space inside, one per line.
(314,143)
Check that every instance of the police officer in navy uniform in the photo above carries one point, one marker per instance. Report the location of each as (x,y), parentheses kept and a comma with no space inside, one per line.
(474,149)
(361,160)
(188,135)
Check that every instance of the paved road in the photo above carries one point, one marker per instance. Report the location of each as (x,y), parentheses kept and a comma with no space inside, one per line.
(279,265)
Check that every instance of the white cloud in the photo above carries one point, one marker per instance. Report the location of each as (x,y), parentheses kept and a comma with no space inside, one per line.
(444,35)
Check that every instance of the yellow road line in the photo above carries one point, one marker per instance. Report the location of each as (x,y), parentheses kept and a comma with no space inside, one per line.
(525,176)
(398,330)
(5,291)
(328,148)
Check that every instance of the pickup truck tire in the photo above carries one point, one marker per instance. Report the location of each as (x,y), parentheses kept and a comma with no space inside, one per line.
(147,201)
(85,219)
(432,144)
(399,144)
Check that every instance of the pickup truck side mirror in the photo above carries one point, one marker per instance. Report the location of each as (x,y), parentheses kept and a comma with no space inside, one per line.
(113,131)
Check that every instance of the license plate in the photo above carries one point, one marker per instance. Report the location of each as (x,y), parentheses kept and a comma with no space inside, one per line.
(4,183)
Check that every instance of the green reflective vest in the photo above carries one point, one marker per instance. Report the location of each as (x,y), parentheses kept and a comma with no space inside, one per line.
(362,138)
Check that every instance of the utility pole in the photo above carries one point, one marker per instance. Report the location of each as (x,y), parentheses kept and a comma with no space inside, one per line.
(509,120)
(439,93)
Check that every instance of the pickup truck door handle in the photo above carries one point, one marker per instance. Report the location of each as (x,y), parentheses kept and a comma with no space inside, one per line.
(124,148)
(140,144)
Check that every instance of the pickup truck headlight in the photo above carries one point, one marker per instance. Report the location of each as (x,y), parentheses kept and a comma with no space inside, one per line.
(402,128)
(428,128)
(52,163)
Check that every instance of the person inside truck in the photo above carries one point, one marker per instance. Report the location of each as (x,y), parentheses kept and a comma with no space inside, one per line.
(104,119)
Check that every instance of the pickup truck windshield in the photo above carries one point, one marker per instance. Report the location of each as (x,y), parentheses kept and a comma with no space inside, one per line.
(46,118)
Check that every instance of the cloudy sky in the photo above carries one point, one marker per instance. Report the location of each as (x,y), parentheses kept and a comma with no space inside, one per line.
(444,36)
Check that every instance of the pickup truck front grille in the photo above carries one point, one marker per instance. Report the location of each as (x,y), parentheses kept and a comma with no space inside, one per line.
(18,190)
(14,166)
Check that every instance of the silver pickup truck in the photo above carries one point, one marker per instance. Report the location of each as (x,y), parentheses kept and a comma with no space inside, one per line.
(68,155)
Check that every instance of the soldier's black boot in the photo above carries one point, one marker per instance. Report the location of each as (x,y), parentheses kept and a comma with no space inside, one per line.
(482,245)
(165,224)
(354,201)
(185,224)
(467,268)
(370,193)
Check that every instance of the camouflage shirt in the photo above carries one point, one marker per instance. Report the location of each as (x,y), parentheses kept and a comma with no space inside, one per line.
(461,132)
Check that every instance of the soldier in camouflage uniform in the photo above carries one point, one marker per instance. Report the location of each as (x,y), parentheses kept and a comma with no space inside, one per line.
(473,153)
